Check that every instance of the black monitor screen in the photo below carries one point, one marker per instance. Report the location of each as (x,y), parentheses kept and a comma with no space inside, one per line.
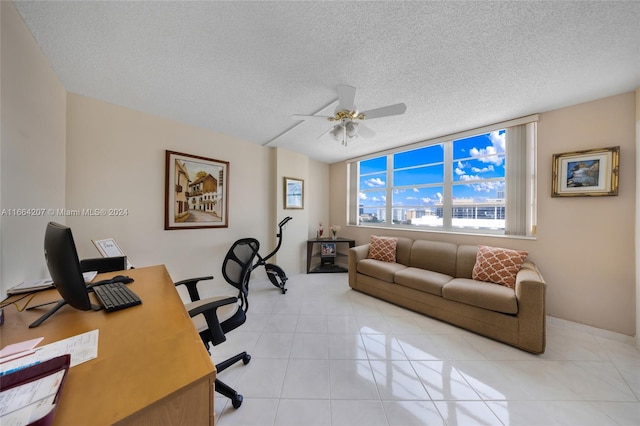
(64,266)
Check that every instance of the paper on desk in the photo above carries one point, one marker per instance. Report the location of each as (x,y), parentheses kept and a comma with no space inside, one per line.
(29,286)
(83,347)
(32,401)
(18,350)
(89,276)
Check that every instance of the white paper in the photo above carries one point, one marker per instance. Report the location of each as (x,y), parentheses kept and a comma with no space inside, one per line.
(18,348)
(27,403)
(83,347)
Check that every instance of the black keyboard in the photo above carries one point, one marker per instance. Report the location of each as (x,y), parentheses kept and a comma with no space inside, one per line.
(115,296)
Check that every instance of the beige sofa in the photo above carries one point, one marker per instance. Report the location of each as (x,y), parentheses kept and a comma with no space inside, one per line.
(434,278)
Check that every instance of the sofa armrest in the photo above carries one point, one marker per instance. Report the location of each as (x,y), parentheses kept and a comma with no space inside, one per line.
(356,254)
(530,292)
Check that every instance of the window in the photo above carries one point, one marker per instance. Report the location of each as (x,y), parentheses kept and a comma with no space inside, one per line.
(470,182)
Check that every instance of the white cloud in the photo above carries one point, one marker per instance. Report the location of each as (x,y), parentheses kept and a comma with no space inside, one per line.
(374,183)
(470,177)
(459,171)
(487,186)
(489,168)
(491,153)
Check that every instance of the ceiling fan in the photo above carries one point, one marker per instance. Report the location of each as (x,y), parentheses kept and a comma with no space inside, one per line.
(348,119)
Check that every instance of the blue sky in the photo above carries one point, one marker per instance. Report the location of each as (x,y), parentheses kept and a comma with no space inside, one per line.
(475,159)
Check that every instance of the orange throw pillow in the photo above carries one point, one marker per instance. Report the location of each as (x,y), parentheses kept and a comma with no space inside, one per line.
(498,265)
(383,248)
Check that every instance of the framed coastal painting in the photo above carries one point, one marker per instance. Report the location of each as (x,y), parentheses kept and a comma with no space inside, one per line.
(196,192)
(587,173)
(293,193)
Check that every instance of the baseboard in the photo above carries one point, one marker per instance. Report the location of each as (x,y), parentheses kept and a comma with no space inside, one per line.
(619,337)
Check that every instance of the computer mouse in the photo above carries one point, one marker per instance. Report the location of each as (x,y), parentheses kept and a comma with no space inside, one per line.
(122,279)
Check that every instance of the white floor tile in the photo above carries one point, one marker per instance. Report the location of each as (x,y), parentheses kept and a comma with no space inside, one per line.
(397,380)
(346,346)
(252,412)
(383,346)
(352,379)
(443,381)
(307,379)
(273,345)
(324,354)
(303,412)
(357,413)
(412,413)
(310,346)
(467,413)
(262,378)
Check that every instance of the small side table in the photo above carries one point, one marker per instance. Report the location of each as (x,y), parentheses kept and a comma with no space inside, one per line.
(324,255)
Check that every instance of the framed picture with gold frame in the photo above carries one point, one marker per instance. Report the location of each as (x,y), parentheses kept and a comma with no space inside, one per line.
(196,192)
(587,173)
(293,193)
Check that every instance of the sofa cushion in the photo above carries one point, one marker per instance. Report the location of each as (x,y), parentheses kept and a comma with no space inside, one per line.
(481,294)
(466,260)
(379,269)
(435,256)
(498,265)
(383,248)
(422,280)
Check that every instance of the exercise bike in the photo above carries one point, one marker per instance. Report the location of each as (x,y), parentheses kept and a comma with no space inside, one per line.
(275,273)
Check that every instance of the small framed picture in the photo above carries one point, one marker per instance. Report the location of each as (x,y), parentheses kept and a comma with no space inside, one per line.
(586,173)
(293,193)
(328,249)
(109,248)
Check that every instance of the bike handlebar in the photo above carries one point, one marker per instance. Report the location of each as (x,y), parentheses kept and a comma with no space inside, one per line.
(284,221)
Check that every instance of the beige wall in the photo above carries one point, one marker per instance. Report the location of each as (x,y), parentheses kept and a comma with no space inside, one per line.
(116,160)
(32,149)
(292,254)
(637,218)
(585,246)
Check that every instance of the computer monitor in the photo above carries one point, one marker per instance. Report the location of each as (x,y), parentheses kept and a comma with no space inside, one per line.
(64,267)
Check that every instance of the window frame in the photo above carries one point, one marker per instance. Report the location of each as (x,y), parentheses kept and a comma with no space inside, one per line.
(527,210)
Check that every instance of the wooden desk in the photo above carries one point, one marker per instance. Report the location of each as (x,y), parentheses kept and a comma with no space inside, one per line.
(152,367)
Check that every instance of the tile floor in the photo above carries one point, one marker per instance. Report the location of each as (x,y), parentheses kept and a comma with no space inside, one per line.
(324,354)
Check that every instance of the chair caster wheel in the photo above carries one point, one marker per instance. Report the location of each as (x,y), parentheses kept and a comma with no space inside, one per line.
(246,360)
(237,401)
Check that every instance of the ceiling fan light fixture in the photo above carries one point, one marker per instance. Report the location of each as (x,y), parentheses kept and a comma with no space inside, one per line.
(352,129)
(337,132)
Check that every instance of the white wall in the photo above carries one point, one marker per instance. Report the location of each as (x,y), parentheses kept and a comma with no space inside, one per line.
(32,172)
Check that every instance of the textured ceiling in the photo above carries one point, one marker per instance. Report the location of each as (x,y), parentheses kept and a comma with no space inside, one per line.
(243,68)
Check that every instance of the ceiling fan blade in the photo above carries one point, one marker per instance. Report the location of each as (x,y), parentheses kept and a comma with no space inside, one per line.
(385,111)
(365,131)
(310,117)
(346,96)
(324,133)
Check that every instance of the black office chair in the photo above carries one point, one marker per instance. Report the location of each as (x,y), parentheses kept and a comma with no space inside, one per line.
(214,317)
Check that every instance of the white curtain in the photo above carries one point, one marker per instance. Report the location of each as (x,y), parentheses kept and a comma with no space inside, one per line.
(520,178)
